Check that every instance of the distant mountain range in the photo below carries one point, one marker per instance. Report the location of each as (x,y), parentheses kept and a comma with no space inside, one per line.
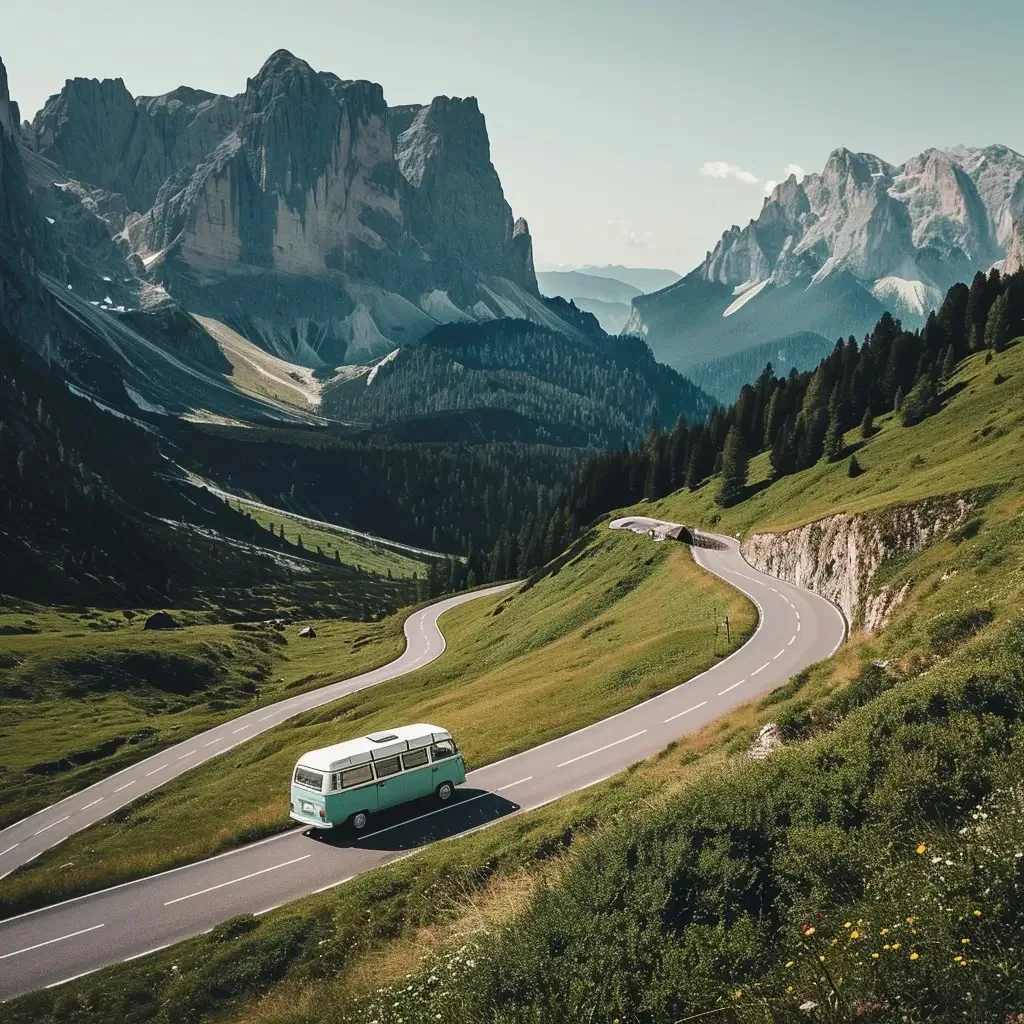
(829,253)
(607,292)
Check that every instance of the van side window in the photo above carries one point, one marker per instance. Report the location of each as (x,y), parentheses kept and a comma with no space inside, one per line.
(439,751)
(356,776)
(415,758)
(388,766)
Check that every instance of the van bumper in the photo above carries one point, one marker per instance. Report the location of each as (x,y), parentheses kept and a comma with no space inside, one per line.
(302,819)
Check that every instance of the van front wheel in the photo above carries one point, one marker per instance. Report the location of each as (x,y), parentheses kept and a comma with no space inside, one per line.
(445,792)
(359,821)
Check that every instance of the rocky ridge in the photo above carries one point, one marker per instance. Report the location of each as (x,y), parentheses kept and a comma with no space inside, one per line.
(829,252)
(305,212)
(837,556)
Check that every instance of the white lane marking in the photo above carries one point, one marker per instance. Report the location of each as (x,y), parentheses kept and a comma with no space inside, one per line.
(331,885)
(501,789)
(211,743)
(761,669)
(52,823)
(183,756)
(50,942)
(241,728)
(139,956)
(8,850)
(74,977)
(590,753)
(253,874)
(798,625)
(721,693)
(93,804)
(265,718)
(267,910)
(780,654)
(791,639)
(774,591)
(125,786)
(429,814)
(154,771)
(672,718)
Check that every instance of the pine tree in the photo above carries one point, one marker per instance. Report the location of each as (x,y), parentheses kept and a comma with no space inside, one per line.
(832,449)
(997,329)
(948,363)
(897,402)
(734,470)
(867,424)
(853,468)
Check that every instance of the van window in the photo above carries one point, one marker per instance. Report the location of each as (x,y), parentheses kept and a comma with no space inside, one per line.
(309,779)
(388,766)
(439,751)
(415,758)
(356,776)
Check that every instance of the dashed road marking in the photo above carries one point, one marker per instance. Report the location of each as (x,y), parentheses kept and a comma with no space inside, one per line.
(50,942)
(252,874)
(733,687)
(761,669)
(154,771)
(47,827)
(125,786)
(93,804)
(672,718)
(590,753)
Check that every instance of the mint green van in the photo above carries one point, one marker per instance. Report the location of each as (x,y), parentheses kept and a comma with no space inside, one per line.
(350,781)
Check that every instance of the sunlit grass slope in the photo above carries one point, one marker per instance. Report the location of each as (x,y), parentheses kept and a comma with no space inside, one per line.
(623,620)
(84,694)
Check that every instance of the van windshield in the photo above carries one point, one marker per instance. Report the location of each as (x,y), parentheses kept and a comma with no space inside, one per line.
(308,778)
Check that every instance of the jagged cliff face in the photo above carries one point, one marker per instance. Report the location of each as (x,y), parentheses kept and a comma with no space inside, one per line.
(838,556)
(305,212)
(828,254)
(25,244)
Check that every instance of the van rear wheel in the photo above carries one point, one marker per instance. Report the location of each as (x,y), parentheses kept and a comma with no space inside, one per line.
(445,792)
(359,820)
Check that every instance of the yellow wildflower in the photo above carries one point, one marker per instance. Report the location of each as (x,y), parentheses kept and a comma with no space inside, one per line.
(855,934)
(884,931)
(977,913)
(911,919)
(822,958)
(921,848)
(789,988)
(849,924)
(789,963)
(874,956)
(957,959)
(887,946)
(913,956)
(965,942)
(895,945)
(810,931)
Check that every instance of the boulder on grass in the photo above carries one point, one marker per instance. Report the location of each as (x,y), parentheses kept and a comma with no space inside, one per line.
(160,620)
(308,632)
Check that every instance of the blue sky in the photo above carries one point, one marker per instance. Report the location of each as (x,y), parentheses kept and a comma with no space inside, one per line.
(602,115)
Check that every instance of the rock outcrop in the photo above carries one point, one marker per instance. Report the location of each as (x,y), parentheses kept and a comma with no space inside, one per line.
(1015,253)
(837,557)
(305,212)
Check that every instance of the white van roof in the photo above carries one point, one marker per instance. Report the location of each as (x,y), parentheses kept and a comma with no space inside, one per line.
(385,743)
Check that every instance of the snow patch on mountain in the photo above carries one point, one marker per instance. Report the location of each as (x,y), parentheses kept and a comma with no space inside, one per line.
(746,292)
(389,358)
(906,296)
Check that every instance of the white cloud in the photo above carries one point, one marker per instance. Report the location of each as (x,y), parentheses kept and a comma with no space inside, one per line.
(626,231)
(724,169)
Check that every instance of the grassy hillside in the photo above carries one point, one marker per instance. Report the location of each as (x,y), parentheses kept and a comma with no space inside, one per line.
(605,632)
(975,440)
(86,693)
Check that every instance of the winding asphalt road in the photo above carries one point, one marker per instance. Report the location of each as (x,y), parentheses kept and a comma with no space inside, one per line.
(27,839)
(62,942)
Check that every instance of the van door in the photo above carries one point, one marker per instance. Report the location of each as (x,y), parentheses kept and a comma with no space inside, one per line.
(391,782)
(418,777)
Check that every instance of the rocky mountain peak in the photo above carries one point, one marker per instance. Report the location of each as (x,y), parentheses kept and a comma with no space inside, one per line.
(1015,252)
(995,171)
(9,115)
